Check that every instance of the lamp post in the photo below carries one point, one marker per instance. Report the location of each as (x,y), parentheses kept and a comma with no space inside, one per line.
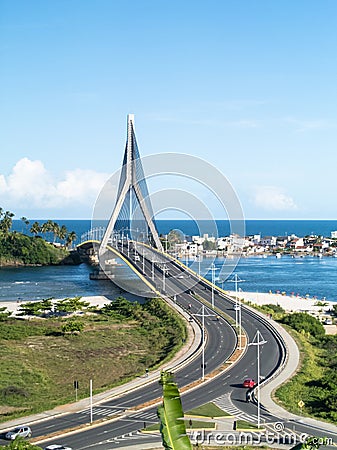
(236,279)
(257,342)
(90,393)
(198,260)
(122,239)
(152,271)
(213,269)
(203,315)
(165,269)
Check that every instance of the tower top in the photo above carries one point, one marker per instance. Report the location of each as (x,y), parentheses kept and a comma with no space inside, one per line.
(131,118)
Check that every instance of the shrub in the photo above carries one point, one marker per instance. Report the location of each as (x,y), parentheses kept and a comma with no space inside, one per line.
(303,322)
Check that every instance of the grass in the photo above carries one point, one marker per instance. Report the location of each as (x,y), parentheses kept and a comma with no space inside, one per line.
(208,410)
(244,425)
(39,363)
(300,386)
(190,425)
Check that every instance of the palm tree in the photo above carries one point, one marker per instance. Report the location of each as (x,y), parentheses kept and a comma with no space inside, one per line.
(70,239)
(62,232)
(25,222)
(6,222)
(55,230)
(35,228)
(47,227)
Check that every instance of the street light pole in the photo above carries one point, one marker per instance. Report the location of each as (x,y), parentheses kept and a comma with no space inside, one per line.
(213,269)
(203,340)
(164,273)
(203,345)
(198,256)
(257,342)
(91,414)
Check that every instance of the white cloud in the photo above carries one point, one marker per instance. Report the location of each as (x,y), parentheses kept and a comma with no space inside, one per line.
(273,198)
(31,185)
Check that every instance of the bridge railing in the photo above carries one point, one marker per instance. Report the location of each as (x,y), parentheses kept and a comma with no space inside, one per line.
(95,234)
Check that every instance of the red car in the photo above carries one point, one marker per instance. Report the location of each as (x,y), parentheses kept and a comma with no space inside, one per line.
(249,383)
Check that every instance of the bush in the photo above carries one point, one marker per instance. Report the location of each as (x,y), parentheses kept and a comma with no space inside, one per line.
(72,326)
(304,323)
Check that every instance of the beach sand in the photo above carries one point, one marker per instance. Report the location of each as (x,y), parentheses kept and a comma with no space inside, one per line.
(290,303)
(97,300)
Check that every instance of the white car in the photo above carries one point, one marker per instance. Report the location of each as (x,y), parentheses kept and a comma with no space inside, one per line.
(57,447)
(22,431)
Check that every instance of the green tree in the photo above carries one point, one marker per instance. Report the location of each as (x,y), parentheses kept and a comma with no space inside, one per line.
(4,314)
(72,326)
(35,228)
(25,223)
(55,229)
(6,221)
(70,239)
(175,237)
(20,444)
(62,232)
(209,245)
(303,322)
(30,309)
(70,305)
(47,227)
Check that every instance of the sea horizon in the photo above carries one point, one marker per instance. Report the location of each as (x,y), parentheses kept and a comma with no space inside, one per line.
(264,227)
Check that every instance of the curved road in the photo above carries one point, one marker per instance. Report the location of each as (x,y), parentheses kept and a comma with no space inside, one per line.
(220,345)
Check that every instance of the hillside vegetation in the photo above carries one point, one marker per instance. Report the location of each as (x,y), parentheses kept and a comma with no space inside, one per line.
(21,249)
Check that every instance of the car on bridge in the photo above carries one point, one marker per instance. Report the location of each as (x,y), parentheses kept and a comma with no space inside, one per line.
(22,431)
(249,383)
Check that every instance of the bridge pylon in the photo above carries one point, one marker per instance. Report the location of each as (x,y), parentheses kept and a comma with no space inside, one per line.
(133,209)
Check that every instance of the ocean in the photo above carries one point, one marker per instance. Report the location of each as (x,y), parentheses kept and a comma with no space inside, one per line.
(308,275)
(191,228)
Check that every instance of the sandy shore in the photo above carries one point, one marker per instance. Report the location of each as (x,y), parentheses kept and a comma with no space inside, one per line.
(288,302)
(97,300)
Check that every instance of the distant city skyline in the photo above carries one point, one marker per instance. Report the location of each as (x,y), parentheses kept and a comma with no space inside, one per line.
(248,86)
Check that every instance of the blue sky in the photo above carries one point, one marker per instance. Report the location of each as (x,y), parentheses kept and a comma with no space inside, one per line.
(250,86)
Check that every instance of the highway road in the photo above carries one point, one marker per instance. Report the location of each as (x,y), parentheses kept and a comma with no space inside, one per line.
(226,389)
